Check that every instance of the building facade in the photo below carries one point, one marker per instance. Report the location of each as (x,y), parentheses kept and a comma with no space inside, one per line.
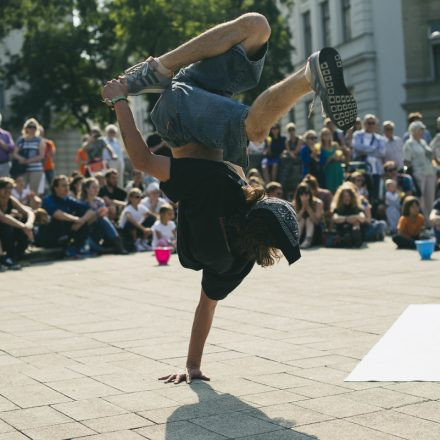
(369,36)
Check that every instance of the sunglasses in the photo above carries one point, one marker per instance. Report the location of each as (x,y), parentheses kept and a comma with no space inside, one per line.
(32,127)
(136,197)
(312,138)
(371,122)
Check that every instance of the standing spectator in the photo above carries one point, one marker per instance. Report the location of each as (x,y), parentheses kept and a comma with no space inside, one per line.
(275,145)
(418,155)
(29,151)
(132,219)
(274,189)
(348,216)
(48,161)
(435,146)
(137,182)
(114,196)
(111,132)
(417,116)
(337,135)
(434,218)
(310,212)
(69,220)
(16,223)
(404,181)
(6,150)
(392,202)
(309,155)
(94,146)
(82,159)
(437,127)
(393,145)
(410,225)
(293,142)
(369,146)
(330,158)
(164,229)
(349,135)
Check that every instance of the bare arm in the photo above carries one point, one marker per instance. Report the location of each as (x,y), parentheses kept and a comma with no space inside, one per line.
(24,210)
(40,155)
(140,155)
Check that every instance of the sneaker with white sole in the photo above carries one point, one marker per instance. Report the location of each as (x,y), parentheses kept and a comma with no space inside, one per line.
(325,73)
(145,78)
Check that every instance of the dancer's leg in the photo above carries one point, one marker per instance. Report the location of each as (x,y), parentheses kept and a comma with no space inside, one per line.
(272,104)
(251,30)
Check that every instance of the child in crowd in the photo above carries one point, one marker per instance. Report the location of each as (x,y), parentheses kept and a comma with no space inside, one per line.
(134,232)
(392,201)
(410,225)
(359,180)
(164,229)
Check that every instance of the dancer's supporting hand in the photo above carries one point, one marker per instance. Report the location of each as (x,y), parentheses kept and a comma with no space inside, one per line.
(114,88)
(188,375)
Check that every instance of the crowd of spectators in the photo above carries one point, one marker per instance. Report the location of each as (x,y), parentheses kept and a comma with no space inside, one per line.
(347,189)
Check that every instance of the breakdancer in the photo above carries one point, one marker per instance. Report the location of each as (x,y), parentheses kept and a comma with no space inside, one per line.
(224,225)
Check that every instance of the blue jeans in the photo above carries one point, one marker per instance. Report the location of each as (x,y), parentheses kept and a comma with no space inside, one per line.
(103,229)
(375,231)
(198,108)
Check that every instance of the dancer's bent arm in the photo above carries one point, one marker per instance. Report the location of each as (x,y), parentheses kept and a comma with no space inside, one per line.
(140,155)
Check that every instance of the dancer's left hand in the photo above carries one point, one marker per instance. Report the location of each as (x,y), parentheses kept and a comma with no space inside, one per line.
(113,88)
(187,375)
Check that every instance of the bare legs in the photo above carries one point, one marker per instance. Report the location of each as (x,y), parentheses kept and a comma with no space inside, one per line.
(273,103)
(251,30)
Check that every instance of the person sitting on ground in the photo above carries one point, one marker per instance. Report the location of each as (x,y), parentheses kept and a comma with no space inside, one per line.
(137,182)
(225,226)
(134,232)
(24,195)
(100,227)
(114,196)
(16,223)
(324,195)
(275,145)
(68,226)
(153,201)
(392,201)
(253,172)
(411,224)
(274,189)
(348,216)
(75,186)
(164,229)
(310,211)
(434,218)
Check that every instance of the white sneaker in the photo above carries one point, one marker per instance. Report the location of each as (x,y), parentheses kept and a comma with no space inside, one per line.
(306,243)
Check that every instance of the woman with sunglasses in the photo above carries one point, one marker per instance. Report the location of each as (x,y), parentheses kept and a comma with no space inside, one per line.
(29,152)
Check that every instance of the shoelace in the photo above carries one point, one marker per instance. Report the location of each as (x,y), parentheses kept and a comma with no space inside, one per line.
(312,107)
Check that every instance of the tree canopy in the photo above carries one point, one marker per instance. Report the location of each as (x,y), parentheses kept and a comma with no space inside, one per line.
(71,47)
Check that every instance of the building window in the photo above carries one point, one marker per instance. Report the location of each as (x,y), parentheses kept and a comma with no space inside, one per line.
(325,19)
(346,19)
(307,28)
(434,39)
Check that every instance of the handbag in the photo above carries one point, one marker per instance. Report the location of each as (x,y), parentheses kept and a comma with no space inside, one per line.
(17,169)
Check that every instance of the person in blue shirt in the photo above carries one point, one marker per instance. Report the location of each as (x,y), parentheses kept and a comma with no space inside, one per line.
(69,218)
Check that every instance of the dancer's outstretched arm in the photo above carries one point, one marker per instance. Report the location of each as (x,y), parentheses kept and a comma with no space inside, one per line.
(140,155)
(202,324)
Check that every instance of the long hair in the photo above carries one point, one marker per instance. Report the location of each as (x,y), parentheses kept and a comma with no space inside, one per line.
(86,183)
(255,241)
(301,189)
(408,202)
(347,187)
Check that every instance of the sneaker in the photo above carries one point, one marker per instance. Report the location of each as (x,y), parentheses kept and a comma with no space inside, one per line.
(145,78)
(139,246)
(324,72)
(306,243)
(10,264)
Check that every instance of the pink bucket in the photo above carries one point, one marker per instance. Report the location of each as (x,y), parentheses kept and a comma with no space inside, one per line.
(163,254)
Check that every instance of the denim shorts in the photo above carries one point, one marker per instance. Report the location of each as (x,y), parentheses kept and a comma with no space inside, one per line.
(198,107)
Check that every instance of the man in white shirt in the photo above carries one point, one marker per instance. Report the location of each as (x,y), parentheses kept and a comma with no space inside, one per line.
(111,131)
(393,145)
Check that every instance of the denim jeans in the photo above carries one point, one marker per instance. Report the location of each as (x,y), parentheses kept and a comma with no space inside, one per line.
(103,228)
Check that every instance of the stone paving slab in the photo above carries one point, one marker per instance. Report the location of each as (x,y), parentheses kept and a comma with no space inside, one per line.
(82,344)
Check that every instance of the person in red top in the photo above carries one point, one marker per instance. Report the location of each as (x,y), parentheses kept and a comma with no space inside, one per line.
(82,158)
(411,224)
(48,161)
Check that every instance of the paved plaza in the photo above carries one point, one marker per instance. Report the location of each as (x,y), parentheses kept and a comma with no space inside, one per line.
(82,344)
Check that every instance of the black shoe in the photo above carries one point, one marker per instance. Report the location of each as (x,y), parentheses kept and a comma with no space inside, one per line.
(327,80)
(10,263)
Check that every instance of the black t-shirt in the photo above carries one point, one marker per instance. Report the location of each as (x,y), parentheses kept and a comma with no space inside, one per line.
(277,146)
(116,194)
(211,201)
(346,211)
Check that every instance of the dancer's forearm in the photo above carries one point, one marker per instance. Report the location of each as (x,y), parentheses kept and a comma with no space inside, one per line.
(202,324)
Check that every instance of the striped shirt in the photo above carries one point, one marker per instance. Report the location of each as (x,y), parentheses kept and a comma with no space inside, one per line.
(30,148)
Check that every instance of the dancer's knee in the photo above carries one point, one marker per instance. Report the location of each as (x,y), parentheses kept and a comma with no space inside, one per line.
(256,26)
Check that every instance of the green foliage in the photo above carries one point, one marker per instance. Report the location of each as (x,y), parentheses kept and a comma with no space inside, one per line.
(63,63)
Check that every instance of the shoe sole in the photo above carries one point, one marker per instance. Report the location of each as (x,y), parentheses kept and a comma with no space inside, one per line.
(338,103)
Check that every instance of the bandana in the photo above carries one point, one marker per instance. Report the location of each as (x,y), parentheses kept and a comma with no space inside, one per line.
(282,224)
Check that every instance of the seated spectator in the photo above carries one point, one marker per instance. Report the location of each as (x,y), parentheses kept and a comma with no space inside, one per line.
(310,211)
(253,172)
(358,179)
(16,223)
(410,225)
(153,202)
(114,196)
(255,152)
(434,218)
(372,229)
(348,216)
(164,229)
(275,145)
(68,226)
(255,182)
(100,227)
(24,195)
(293,142)
(134,231)
(75,186)
(274,189)
(137,182)
(324,195)
(404,181)
(309,155)
(392,202)
(101,179)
